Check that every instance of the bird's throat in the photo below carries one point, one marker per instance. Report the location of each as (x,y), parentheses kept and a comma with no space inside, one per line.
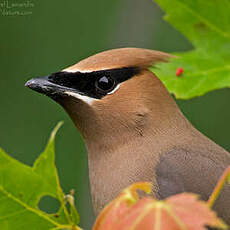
(133,159)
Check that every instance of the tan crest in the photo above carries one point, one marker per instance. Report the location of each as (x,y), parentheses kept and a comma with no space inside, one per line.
(118,58)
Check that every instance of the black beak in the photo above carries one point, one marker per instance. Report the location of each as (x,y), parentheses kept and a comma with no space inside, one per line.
(45,86)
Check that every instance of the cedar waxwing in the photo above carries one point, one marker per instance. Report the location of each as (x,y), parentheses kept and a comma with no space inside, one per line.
(133,129)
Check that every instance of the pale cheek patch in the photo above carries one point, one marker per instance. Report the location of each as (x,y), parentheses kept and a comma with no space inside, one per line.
(115,89)
(86,99)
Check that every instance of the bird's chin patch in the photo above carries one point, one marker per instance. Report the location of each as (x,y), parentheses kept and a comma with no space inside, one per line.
(83,98)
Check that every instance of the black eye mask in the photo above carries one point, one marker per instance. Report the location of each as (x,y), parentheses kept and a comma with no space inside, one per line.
(89,84)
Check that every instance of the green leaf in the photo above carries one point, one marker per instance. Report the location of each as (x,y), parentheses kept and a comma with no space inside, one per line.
(22,187)
(206,24)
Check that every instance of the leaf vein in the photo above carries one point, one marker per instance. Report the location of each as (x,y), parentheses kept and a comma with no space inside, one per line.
(212,26)
(36,211)
(12,214)
(213,70)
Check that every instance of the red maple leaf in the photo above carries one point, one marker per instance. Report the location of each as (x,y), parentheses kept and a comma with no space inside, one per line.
(179,212)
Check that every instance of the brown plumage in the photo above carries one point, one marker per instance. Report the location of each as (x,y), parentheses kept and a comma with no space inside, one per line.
(135,132)
(118,58)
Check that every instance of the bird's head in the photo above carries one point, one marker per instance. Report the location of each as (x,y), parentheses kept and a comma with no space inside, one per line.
(110,93)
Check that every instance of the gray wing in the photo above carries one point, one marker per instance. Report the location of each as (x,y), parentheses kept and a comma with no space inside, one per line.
(181,170)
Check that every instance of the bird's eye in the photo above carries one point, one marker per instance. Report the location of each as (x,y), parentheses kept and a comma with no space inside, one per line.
(105,84)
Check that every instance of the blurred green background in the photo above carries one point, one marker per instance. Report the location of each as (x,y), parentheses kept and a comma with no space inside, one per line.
(55,34)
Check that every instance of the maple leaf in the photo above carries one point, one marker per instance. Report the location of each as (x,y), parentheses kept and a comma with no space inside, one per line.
(206,24)
(118,208)
(178,212)
(22,187)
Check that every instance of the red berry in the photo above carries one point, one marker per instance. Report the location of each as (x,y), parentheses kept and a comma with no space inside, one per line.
(179,71)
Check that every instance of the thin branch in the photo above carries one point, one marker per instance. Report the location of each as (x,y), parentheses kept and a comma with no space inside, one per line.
(220,184)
